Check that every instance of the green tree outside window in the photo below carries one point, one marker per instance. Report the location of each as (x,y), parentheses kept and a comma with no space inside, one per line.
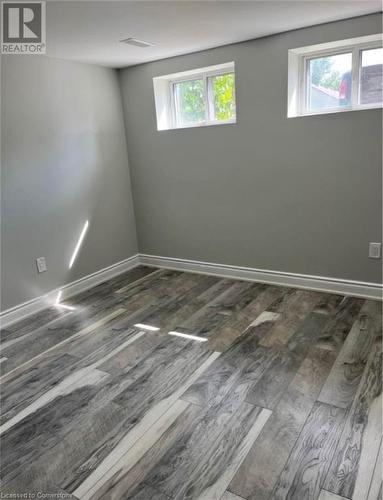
(224,96)
(191,101)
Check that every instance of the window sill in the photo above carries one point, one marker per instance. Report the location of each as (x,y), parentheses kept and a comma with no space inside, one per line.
(333,111)
(199,125)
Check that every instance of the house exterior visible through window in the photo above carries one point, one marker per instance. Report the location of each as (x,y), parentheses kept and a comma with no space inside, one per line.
(340,76)
(195,98)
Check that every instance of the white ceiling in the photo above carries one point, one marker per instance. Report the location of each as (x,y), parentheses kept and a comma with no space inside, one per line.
(89,31)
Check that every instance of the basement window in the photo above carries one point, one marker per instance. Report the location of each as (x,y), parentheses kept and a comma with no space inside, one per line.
(196,98)
(346,75)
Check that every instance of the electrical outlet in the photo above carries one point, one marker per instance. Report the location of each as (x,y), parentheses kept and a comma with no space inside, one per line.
(374,250)
(41,264)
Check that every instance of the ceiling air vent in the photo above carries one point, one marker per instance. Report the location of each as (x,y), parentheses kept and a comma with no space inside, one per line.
(137,43)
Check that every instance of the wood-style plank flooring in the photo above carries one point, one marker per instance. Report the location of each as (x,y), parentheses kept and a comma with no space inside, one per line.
(281,399)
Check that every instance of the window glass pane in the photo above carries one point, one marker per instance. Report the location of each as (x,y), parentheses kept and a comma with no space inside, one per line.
(223,88)
(329,82)
(371,76)
(190,102)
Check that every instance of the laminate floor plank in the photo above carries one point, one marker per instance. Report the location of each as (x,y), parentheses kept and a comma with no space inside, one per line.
(97,422)
(310,458)
(199,285)
(57,347)
(49,335)
(128,357)
(224,465)
(339,327)
(329,305)
(136,310)
(327,495)
(216,312)
(26,447)
(344,467)
(146,395)
(18,394)
(151,282)
(16,337)
(125,476)
(117,457)
(301,303)
(196,301)
(243,318)
(83,378)
(98,408)
(171,350)
(56,365)
(183,442)
(221,376)
(73,377)
(161,283)
(162,305)
(141,282)
(169,315)
(243,359)
(251,337)
(375,489)
(162,287)
(89,350)
(50,316)
(272,385)
(143,296)
(160,371)
(263,465)
(372,437)
(44,338)
(283,302)
(145,492)
(125,459)
(230,496)
(343,381)
(209,444)
(31,323)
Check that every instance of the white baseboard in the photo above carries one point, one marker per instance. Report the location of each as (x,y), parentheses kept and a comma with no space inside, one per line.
(317,283)
(35,305)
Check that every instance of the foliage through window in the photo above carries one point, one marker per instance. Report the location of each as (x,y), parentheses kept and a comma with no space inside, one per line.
(204,101)
(224,96)
(196,97)
(189,102)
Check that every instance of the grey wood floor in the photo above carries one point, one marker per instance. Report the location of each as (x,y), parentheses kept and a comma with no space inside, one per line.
(282,399)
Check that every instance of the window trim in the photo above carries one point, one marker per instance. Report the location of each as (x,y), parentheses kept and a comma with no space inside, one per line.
(166,105)
(298,64)
(206,76)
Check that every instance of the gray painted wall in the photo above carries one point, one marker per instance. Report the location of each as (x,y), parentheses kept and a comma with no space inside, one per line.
(64,160)
(300,195)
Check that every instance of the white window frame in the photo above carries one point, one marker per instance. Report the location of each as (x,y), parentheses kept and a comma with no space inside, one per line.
(206,76)
(166,101)
(298,74)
